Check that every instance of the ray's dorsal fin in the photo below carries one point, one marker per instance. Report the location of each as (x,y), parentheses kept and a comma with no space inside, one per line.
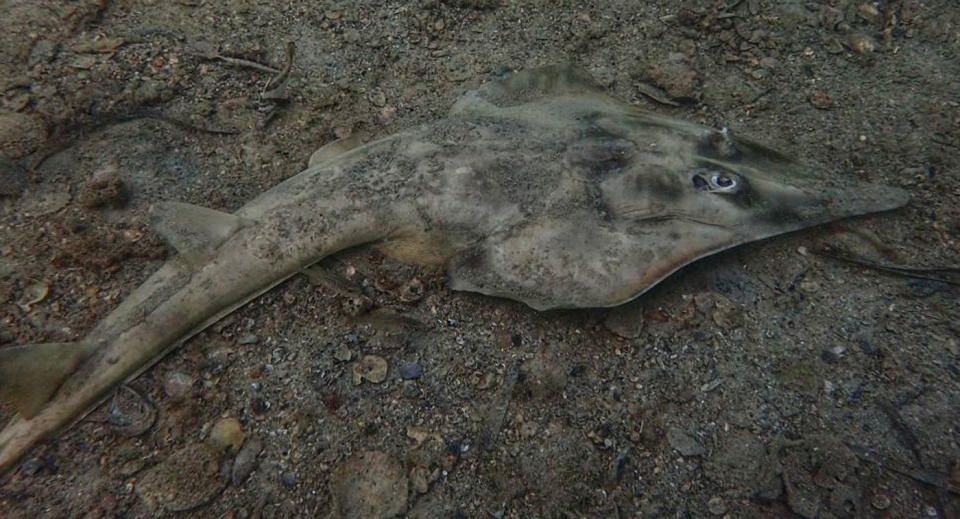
(334,149)
(30,374)
(517,88)
(196,232)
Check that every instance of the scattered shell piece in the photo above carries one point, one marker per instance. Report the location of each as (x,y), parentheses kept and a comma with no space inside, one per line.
(188,479)
(227,434)
(422,434)
(371,368)
(861,43)
(34,294)
(369,485)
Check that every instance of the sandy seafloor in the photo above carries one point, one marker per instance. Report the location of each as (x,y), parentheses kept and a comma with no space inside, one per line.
(766,381)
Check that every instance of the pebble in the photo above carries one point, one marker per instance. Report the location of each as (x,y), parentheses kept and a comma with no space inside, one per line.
(369,485)
(684,443)
(289,479)
(178,385)
(371,368)
(411,371)
(227,434)
(246,461)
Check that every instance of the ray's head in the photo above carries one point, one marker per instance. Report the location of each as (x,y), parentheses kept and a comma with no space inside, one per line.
(681,172)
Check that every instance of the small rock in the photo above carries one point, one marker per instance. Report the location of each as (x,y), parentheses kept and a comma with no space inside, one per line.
(371,368)
(246,461)
(289,479)
(227,434)
(177,385)
(411,371)
(421,434)
(716,506)
(369,485)
(684,443)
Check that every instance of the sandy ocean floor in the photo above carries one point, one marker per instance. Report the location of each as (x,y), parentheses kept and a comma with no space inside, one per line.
(766,381)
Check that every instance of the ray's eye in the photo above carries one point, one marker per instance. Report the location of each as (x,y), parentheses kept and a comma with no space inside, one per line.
(716,182)
(723,182)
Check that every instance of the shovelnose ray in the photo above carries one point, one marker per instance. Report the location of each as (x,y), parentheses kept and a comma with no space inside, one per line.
(537,187)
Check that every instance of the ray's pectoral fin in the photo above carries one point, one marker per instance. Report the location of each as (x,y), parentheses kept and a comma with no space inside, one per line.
(30,374)
(334,149)
(579,262)
(196,232)
(549,263)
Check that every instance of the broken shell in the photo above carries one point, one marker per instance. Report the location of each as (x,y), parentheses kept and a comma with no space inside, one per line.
(371,368)
(861,43)
(34,294)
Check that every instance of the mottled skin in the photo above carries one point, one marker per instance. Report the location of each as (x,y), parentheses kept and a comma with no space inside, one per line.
(537,187)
